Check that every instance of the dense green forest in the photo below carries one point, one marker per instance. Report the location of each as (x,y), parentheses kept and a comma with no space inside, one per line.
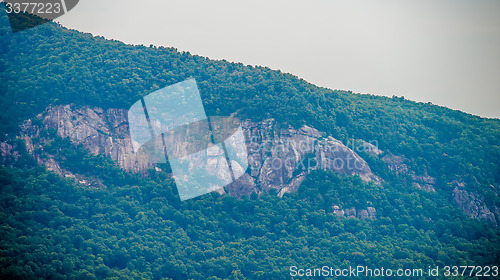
(136,227)
(52,65)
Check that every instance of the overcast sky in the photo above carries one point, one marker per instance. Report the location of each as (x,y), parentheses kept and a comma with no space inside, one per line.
(443,51)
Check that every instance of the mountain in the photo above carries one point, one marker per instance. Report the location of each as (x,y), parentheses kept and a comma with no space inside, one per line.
(280,158)
(419,188)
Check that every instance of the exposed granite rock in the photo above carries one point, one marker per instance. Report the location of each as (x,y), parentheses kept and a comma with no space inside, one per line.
(278,158)
(351,213)
(362,214)
(473,205)
(371,149)
(45,160)
(497,213)
(244,185)
(98,130)
(458,182)
(7,154)
(397,165)
(372,212)
(49,162)
(337,211)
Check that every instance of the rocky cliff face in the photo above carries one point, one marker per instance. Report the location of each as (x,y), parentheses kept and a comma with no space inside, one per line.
(369,212)
(278,158)
(7,154)
(98,130)
(473,205)
(397,165)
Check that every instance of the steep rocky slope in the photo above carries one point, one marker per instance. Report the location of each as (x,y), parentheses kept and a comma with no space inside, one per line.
(279,158)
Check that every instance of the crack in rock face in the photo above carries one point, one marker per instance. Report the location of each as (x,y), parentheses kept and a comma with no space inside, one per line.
(279,158)
(473,205)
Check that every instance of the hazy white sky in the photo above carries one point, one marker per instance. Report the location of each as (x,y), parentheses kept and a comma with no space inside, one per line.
(443,51)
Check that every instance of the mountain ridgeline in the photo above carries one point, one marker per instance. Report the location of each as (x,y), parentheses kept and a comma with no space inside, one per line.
(76,205)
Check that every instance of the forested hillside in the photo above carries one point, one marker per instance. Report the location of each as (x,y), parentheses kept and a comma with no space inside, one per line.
(52,65)
(135,227)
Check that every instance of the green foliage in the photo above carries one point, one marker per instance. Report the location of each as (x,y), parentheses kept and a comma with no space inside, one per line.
(130,227)
(53,229)
(52,65)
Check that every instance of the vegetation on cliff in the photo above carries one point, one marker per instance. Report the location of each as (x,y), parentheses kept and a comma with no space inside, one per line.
(132,227)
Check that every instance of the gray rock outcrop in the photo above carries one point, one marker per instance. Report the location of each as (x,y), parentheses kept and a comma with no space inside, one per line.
(351,212)
(473,205)
(397,165)
(279,158)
